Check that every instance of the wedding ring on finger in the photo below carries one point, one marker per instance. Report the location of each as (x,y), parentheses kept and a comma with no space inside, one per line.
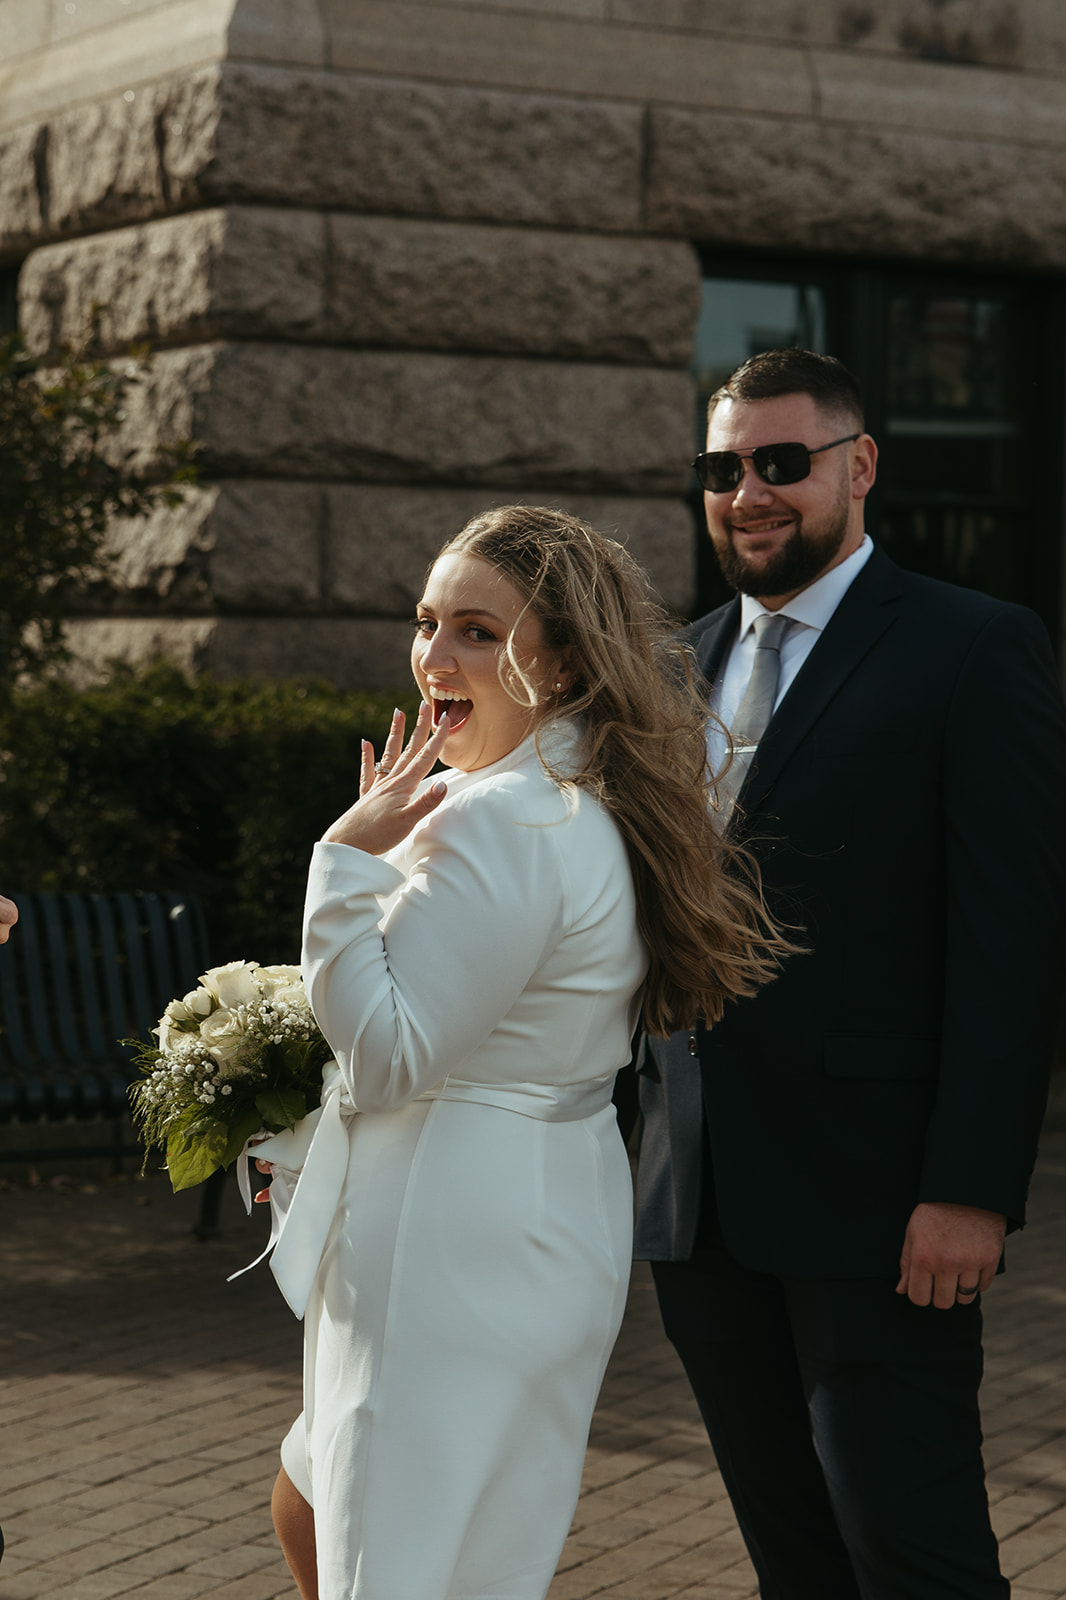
(381,769)
(962,1290)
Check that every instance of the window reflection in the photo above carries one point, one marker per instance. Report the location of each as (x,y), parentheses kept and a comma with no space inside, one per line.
(951,425)
(948,354)
(739,318)
(983,549)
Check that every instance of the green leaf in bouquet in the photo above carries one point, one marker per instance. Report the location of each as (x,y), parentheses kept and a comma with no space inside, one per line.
(194,1152)
(240,1132)
(281,1108)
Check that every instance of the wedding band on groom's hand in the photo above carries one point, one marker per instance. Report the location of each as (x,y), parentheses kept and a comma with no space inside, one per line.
(962,1290)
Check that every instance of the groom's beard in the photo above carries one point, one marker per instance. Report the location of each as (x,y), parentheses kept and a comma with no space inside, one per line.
(808,551)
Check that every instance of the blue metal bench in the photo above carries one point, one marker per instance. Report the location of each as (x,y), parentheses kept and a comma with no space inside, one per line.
(80,973)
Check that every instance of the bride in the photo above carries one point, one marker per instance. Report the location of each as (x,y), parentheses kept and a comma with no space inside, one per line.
(477,951)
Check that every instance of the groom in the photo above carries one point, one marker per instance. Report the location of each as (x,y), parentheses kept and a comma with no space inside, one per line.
(825,1180)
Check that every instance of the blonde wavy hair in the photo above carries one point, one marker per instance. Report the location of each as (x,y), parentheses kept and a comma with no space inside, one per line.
(699,904)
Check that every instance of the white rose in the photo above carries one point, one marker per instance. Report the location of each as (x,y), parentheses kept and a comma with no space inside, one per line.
(222,1033)
(198,1002)
(280,981)
(281,974)
(167,1034)
(234,984)
(290,997)
(180,1019)
(283,987)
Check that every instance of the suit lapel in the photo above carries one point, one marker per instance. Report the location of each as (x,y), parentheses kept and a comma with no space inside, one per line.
(868,609)
(712,638)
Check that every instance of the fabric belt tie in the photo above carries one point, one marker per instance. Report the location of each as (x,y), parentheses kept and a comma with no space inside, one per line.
(547,1102)
(310,1163)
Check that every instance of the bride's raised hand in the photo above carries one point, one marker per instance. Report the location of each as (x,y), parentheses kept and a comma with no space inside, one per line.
(388,805)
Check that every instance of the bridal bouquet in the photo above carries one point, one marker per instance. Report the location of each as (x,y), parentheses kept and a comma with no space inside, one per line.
(240,1055)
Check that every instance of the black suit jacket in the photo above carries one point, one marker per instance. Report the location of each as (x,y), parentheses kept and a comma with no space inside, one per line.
(907,810)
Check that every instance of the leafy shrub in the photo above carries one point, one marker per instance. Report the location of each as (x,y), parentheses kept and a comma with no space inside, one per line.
(152,782)
(60,489)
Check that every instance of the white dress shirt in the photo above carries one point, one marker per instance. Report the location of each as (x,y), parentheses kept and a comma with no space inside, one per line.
(808,612)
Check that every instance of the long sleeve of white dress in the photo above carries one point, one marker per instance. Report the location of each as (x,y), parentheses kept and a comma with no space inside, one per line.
(405,1004)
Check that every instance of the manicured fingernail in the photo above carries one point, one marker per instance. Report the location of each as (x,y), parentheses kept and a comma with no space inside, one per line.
(439,788)
(396,713)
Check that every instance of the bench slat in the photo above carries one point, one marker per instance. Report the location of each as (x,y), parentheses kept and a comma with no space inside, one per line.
(13,1048)
(33,981)
(162,970)
(104,917)
(186,920)
(145,1014)
(62,1007)
(99,1047)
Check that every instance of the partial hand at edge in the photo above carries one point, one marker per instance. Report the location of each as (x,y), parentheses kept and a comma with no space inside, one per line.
(388,807)
(949,1247)
(9,915)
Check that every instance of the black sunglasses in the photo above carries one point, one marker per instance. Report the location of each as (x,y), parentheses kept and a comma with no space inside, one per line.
(721,471)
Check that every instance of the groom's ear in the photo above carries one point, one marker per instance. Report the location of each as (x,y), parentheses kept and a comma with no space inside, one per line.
(863,466)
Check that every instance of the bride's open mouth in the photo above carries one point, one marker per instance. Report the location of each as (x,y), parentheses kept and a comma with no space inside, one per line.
(458,710)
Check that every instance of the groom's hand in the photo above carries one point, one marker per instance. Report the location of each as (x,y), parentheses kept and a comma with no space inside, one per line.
(949,1249)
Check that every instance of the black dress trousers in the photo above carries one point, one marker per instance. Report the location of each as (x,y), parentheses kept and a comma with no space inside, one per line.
(845,1423)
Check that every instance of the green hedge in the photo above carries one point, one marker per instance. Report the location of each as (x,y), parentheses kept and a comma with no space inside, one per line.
(215,789)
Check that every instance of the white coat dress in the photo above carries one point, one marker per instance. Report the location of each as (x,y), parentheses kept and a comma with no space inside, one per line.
(461,1230)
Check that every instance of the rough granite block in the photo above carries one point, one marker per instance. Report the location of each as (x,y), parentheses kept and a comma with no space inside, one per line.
(843,189)
(261,409)
(253,271)
(342,549)
(239,272)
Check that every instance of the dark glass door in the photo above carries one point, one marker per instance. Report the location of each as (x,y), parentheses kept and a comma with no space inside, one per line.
(970,430)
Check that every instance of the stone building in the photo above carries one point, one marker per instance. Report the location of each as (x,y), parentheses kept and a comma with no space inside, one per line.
(403,259)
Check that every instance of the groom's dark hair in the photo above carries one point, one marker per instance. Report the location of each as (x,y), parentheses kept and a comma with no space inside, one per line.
(773,373)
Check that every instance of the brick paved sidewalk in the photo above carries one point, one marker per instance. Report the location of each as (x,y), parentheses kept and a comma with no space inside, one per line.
(142,1400)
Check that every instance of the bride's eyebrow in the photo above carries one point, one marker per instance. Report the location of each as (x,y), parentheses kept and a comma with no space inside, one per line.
(478,611)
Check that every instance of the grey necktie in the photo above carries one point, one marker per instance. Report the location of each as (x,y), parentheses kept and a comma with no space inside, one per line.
(757,706)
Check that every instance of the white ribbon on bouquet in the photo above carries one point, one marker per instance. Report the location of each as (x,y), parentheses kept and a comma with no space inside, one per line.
(310,1163)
